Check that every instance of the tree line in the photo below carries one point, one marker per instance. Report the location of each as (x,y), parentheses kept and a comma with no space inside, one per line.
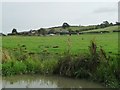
(66,30)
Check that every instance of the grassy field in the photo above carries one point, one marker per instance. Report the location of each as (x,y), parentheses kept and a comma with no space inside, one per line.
(110,29)
(59,44)
(49,55)
(89,28)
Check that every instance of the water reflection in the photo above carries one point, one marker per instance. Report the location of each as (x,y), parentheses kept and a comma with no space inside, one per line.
(39,81)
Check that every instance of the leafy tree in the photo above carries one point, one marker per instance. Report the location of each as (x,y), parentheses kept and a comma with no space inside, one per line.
(65,25)
(117,23)
(42,31)
(14,31)
(39,31)
(105,23)
(52,31)
(102,25)
(111,24)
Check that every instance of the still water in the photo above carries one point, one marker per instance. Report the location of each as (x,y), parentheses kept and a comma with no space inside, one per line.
(38,81)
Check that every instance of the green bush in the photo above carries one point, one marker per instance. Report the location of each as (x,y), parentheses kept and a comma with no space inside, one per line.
(7,68)
(19,67)
(32,66)
(13,67)
(105,74)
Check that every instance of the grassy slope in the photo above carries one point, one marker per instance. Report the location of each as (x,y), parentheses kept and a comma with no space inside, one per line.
(80,43)
(111,28)
(74,28)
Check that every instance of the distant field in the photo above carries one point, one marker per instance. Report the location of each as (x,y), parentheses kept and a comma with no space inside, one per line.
(89,28)
(59,44)
(110,29)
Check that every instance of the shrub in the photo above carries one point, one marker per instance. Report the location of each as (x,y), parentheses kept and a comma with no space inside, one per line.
(7,68)
(32,66)
(13,67)
(19,67)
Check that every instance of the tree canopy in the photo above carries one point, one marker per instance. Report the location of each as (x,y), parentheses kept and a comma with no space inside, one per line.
(14,31)
(65,25)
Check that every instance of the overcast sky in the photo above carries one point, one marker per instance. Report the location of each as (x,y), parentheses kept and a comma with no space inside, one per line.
(33,15)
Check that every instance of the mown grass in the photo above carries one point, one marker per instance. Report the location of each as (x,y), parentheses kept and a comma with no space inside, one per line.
(72,56)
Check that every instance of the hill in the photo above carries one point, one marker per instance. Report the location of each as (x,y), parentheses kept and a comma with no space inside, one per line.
(104,27)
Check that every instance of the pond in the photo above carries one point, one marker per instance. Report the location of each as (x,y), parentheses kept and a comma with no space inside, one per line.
(40,81)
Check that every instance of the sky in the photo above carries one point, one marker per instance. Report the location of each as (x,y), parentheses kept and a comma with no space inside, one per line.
(25,16)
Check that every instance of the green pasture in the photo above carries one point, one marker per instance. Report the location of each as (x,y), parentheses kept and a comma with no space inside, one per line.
(59,44)
(110,29)
(95,66)
(88,28)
